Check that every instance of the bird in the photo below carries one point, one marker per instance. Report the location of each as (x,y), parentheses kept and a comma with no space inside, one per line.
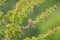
(31,23)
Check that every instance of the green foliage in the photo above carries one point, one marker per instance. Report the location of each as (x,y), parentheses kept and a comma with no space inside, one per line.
(33,38)
(14,15)
(2,2)
(11,32)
